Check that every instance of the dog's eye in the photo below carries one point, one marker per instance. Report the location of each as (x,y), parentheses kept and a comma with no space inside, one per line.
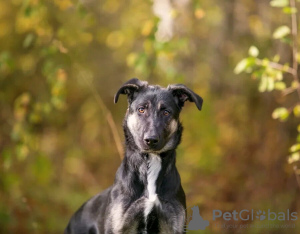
(141,110)
(166,112)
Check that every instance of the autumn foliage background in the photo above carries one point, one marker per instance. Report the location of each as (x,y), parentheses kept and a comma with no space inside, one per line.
(62,61)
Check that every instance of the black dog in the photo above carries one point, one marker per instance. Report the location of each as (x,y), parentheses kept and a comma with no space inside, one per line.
(147,196)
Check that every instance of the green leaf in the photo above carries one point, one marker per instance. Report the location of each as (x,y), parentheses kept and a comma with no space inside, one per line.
(280,85)
(276,58)
(28,40)
(266,84)
(296,110)
(253,51)
(279,3)
(22,152)
(295,84)
(298,57)
(289,10)
(280,113)
(270,86)
(257,74)
(281,32)
(295,148)
(241,66)
(244,64)
(294,157)
(28,11)
(278,75)
(263,85)
(265,62)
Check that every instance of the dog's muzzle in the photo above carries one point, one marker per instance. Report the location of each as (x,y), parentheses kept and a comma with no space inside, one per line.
(152,142)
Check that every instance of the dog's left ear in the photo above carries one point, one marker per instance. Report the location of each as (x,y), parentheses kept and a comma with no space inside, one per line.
(183,94)
(129,88)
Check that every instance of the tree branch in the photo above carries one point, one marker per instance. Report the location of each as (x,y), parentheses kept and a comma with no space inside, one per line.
(295,45)
(276,66)
(109,118)
(295,63)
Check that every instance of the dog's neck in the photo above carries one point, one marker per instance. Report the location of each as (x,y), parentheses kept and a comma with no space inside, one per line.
(137,174)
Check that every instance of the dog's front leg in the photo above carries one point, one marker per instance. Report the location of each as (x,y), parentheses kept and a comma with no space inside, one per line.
(134,218)
(173,217)
(126,219)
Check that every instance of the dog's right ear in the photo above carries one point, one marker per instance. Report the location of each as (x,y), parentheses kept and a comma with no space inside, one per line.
(129,88)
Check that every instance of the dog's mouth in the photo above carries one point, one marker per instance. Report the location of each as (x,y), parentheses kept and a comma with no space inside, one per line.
(151,149)
(154,149)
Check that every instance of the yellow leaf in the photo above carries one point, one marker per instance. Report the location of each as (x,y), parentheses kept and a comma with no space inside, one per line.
(63,4)
(296,110)
(294,157)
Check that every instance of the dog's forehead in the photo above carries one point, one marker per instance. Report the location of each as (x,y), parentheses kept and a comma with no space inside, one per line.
(157,96)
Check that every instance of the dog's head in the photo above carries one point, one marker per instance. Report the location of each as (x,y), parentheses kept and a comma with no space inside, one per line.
(152,118)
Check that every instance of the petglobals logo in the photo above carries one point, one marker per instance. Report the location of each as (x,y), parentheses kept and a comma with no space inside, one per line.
(195,220)
(251,215)
(244,219)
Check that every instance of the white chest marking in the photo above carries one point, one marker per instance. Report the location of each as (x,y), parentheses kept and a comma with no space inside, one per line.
(154,167)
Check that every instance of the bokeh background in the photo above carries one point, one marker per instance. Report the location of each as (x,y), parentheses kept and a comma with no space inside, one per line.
(61,62)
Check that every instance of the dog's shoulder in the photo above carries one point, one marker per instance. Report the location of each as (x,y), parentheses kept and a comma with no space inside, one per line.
(87,217)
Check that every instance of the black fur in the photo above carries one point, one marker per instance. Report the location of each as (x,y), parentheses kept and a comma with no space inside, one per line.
(152,130)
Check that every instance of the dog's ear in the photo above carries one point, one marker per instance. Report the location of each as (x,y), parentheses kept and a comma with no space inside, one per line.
(183,94)
(129,88)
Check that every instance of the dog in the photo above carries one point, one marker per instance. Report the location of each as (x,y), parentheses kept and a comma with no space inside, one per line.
(147,196)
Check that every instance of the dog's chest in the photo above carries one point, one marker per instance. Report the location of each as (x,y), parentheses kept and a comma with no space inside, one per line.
(153,169)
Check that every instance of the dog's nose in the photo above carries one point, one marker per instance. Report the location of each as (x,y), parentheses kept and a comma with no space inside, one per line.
(151,141)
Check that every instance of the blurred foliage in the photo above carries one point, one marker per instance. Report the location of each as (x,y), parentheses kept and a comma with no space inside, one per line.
(57,145)
(271,73)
